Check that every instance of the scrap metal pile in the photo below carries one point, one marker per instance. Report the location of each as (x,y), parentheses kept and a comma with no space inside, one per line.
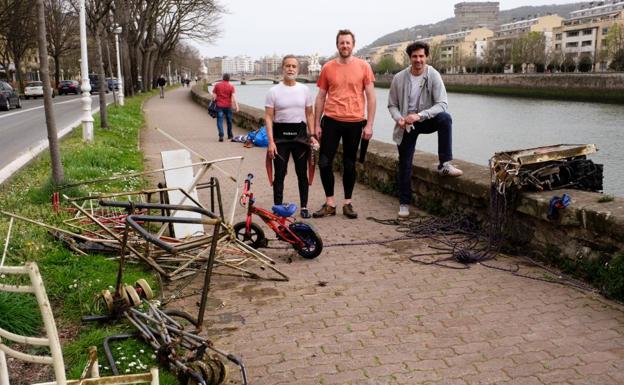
(171,231)
(547,168)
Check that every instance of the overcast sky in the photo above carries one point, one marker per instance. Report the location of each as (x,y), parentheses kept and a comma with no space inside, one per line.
(258,28)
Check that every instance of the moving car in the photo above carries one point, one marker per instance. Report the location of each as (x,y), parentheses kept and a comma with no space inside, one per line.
(33,90)
(8,97)
(68,87)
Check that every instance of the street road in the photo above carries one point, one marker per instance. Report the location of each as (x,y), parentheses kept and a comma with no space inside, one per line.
(22,129)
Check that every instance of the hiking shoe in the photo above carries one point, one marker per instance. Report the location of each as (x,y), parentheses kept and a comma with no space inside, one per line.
(325,211)
(305,213)
(404,212)
(447,169)
(347,211)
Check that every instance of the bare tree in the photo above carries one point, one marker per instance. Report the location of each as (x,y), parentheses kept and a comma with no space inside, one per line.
(55,153)
(62,32)
(19,36)
(97,21)
(152,29)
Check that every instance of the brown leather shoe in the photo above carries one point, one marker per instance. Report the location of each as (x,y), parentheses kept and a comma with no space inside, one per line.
(347,211)
(325,211)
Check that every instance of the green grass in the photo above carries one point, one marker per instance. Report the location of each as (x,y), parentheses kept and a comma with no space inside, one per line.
(606,198)
(73,282)
(17,316)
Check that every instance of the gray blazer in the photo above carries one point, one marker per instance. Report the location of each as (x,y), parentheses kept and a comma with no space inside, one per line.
(433,99)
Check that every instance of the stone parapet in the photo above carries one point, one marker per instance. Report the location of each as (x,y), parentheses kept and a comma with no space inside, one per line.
(586,229)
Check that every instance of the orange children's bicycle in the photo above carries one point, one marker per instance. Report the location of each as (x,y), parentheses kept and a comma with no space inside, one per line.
(302,236)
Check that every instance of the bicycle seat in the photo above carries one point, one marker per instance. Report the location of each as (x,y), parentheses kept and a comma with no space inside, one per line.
(285,209)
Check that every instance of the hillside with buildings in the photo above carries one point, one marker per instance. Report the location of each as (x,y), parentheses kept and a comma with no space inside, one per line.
(451,25)
(480,38)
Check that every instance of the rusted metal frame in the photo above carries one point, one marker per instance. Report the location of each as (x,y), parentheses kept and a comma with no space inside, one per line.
(109,354)
(209,266)
(189,261)
(134,174)
(200,156)
(200,174)
(131,220)
(146,331)
(150,262)
(237,179)
(16,216)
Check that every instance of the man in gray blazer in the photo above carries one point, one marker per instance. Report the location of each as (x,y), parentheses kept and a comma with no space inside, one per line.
(418,104)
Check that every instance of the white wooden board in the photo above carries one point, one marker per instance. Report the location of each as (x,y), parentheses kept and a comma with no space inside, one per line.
(181,177)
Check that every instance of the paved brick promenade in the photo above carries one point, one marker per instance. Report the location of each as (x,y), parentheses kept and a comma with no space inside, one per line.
(367,315)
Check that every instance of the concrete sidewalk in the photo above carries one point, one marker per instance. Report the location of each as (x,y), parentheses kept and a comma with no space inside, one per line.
(367,315)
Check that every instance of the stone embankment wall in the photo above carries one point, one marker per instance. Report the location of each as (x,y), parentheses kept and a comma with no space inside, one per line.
(578,81)
(586,229)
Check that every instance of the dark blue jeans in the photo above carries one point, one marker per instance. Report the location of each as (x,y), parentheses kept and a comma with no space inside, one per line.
(443,124)
(228,116)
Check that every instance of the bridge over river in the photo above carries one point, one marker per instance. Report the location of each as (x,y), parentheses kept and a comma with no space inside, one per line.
(243,79)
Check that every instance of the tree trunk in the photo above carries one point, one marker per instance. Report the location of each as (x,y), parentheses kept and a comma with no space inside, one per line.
(18,72)
(57,69)
(102,76)
(127,65)
(110,71)
(137,70)
(55,154)
(145,70)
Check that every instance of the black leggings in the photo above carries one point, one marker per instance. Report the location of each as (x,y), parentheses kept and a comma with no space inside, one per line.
(300,155)
(333,131)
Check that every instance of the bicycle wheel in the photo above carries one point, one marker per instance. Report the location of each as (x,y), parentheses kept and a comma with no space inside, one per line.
(255,238)
(308,234)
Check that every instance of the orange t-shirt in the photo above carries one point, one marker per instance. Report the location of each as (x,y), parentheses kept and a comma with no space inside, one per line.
(345,84)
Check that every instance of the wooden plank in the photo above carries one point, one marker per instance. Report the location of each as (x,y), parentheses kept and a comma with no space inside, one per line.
(181,177)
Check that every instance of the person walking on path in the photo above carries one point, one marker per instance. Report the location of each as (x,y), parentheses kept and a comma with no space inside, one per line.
(161,84)
(346,91)
(417,102)
(290,127)
(224,95)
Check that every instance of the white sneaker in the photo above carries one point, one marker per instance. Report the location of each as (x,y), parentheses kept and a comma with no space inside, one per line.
(448,169)
(404,211)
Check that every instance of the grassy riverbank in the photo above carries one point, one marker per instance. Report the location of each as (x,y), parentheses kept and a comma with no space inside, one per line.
(73,282)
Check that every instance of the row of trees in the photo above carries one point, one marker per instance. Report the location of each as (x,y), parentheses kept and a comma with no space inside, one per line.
(525,51)
(153,34)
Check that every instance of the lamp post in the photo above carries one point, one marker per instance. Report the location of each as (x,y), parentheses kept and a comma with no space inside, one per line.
(85,86)
(117,31)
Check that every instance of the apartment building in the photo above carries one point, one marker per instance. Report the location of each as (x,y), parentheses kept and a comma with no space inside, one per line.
(506,34)
(584,33)
(238,65)
(459,48)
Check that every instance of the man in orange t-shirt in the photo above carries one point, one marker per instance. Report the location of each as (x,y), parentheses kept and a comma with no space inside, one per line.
(346,92)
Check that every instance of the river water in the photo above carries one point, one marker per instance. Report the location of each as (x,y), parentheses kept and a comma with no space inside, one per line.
(483,125)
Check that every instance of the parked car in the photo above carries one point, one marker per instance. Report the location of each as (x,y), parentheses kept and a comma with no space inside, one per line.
(8,97)
(113,83)
(68,87)
(94,80)
(33,90)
